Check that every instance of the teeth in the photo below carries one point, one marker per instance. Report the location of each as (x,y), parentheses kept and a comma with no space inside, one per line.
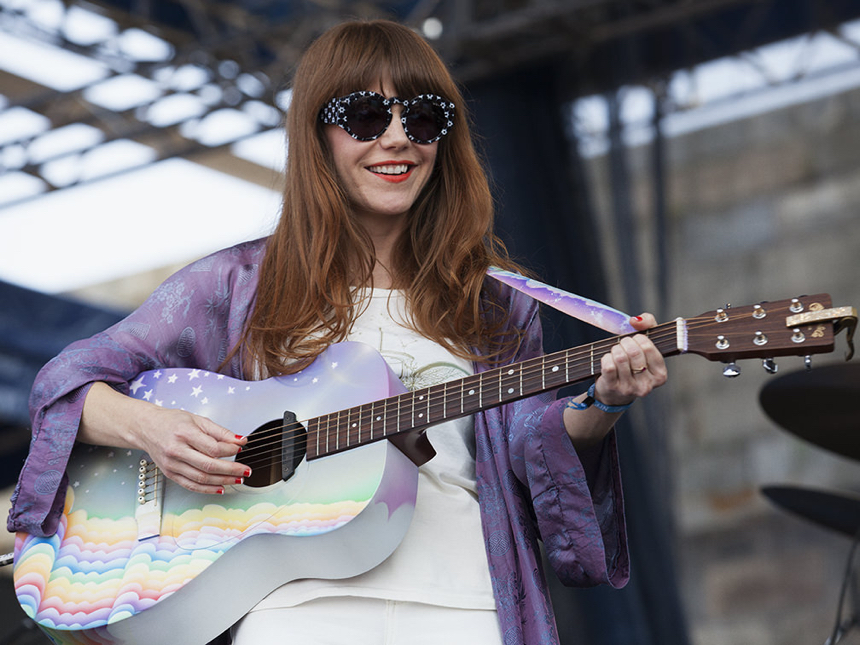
(397,169)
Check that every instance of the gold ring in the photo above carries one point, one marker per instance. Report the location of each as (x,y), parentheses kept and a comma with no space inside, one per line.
(640,370)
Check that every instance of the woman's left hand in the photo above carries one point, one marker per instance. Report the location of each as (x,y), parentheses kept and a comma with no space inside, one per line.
(630,370)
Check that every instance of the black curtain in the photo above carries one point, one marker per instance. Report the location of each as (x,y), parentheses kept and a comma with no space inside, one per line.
(546,219)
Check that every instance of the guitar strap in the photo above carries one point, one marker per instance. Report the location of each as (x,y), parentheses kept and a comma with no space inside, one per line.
(589,311)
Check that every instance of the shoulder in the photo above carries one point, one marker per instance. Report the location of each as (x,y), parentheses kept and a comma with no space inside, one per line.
(219,284)
(245,255)
(236,266)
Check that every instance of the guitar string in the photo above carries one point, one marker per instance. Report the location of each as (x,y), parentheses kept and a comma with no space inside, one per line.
(573,359)
(662,333)
(528,372)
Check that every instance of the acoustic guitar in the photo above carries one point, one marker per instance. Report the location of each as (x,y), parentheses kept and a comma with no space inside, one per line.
(335,451)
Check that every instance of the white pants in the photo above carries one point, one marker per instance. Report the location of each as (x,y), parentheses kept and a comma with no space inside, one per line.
(367,621)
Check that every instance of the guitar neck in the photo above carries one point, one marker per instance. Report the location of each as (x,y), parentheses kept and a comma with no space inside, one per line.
(432,405)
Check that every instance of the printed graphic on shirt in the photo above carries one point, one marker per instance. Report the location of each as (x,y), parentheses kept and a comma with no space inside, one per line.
(417,361)
(414,375)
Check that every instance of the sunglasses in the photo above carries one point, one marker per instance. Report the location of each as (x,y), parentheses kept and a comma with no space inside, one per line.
(366,115)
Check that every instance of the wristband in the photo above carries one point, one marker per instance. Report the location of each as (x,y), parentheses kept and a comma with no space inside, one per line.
(590,400)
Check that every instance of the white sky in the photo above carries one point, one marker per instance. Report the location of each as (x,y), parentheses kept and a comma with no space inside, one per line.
(162,213)
(176,210)
(168,212)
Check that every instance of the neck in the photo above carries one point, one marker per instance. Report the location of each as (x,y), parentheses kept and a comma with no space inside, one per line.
(382,276)
(384,233)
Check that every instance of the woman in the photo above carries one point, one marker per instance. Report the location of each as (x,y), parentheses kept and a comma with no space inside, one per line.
(385,237)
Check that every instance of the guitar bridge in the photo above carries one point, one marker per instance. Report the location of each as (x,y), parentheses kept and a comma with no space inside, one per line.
(148,511)
(841,317)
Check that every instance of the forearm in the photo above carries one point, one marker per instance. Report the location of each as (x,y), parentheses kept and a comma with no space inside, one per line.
(588,428)
(110,418)
(188,448)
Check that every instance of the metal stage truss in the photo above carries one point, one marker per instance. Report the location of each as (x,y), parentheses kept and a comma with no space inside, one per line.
(239,56)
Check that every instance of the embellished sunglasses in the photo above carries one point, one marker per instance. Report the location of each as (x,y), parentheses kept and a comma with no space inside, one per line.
(366,115)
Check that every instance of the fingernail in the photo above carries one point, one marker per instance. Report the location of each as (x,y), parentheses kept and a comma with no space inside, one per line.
(240,480)
(239,437)
(638,318)
(247,472)
(220,491)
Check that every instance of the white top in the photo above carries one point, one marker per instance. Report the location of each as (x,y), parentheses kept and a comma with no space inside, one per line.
(442,560)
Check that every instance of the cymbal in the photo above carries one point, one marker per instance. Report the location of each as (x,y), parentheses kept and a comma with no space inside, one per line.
(839,511)
(821,406)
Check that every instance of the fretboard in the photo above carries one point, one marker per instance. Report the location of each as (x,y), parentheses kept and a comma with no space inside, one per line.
(353,427)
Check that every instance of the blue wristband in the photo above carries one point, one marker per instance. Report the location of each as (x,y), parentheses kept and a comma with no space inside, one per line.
(590,400)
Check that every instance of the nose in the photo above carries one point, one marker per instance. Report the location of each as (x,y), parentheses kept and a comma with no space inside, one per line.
(394,136)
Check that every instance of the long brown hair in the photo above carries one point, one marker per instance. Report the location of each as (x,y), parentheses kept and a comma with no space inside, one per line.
(319,254)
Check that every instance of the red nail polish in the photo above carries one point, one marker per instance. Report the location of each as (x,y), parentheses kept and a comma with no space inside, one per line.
(220,491)
(639,318)
(239,437)
(239,480)
(247,472)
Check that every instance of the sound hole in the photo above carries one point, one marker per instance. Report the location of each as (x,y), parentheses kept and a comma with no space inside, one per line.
(274,451)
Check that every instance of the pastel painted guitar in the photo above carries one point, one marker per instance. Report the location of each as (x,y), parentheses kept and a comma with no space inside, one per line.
(140,560)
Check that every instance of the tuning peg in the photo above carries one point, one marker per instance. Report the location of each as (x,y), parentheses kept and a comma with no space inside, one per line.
(731,370)
(807,362)
(769,365)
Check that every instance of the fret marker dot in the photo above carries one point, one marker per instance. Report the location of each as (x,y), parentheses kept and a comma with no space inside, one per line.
(555,369)
(471,392)
(420,415)
(510,371)
(378,418)
(510,390)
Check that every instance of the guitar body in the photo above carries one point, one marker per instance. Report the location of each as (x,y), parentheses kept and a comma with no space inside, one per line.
(123,571)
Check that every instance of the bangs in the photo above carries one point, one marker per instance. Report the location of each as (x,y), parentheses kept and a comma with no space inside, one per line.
(368,54)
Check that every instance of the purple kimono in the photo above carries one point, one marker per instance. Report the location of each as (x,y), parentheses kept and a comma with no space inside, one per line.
(531,482)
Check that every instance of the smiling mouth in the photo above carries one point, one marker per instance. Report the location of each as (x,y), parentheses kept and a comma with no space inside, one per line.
(392,169)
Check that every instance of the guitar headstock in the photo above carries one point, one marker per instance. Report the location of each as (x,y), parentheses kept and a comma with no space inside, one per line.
(794,327)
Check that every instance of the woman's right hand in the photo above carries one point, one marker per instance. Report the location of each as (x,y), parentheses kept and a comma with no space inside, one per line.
(188,448)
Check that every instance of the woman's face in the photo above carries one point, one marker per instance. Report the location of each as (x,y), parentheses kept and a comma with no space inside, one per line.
(383,177)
